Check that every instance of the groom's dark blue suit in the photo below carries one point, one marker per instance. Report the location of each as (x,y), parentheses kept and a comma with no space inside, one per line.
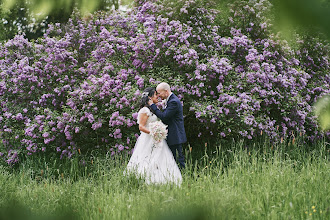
(173,117)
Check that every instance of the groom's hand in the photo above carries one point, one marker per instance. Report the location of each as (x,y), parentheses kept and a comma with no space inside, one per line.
(150,102)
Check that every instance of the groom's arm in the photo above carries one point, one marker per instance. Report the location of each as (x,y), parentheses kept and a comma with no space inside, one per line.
(167,113)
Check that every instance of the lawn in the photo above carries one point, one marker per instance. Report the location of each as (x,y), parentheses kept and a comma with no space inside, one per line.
(233,182)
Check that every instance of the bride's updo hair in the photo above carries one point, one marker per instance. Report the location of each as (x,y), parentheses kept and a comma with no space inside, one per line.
(146,94)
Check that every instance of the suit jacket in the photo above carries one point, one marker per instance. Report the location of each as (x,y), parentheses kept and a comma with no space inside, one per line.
(173,117)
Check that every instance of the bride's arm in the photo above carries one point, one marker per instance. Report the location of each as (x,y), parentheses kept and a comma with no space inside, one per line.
(143,122)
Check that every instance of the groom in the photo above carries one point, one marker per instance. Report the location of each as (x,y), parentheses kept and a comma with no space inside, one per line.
(173,117)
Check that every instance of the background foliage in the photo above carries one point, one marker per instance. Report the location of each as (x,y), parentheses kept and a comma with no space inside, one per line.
(32,17)
(76,88)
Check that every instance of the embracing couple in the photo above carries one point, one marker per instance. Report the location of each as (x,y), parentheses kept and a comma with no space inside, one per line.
(156,162)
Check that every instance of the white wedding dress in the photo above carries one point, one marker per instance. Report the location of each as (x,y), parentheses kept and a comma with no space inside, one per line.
(153,162)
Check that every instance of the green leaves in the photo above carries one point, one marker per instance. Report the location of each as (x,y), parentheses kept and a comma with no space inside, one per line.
(40,9)
(322,111)
(304,14)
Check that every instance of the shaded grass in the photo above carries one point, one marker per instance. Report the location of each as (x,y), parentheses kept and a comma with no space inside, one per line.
(229,182)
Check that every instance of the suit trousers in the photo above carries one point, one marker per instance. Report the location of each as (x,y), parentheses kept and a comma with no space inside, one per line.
(174,149)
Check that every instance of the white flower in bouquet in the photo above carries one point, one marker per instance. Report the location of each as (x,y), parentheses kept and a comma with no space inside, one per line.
(158,130)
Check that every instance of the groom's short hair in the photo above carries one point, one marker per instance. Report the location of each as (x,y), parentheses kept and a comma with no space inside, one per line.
(164,86)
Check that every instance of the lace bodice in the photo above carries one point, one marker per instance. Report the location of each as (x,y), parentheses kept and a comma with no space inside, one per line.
(151,117)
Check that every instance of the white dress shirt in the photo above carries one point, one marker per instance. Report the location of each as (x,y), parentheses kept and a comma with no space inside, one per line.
(166,100)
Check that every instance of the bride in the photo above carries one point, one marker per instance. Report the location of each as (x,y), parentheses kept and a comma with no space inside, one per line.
(150,160)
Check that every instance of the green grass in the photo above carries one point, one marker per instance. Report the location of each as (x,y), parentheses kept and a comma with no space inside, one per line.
(288,182)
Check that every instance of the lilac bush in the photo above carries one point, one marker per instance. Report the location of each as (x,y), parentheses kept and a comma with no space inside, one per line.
(77,88)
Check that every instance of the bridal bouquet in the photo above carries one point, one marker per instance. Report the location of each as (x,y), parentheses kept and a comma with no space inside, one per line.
(158,131)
